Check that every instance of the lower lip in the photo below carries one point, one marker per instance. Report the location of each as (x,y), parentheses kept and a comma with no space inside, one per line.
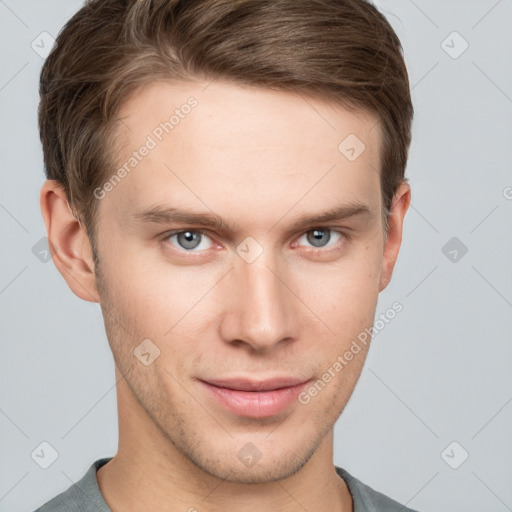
(255,404)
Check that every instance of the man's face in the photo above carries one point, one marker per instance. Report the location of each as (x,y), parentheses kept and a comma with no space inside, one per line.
(257,298)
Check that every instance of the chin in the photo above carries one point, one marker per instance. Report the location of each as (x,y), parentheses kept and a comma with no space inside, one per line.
(252,466)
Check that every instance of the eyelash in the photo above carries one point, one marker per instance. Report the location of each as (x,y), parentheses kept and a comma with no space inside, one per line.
(343,238)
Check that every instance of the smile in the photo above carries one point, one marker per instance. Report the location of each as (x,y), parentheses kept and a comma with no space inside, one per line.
(256,403)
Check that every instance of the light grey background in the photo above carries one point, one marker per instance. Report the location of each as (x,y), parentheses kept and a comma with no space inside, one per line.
(439,372)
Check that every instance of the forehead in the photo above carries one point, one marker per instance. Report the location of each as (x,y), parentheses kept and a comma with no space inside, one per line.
(204,140)
(224,112)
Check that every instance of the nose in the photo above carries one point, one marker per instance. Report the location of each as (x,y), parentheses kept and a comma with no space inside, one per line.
(259,305)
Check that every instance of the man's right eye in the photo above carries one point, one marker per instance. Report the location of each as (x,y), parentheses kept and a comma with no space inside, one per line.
(188,240)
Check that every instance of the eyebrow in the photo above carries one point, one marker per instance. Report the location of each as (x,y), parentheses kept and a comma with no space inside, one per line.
(163,214)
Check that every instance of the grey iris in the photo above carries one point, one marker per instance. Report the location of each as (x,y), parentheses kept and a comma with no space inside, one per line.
(316,238)
(186,239)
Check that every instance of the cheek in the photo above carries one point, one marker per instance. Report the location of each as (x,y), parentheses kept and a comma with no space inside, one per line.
(160,301)
(129,289)
(344,293)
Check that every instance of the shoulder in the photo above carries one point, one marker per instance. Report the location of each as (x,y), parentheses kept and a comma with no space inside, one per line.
(367,499)
(82,496)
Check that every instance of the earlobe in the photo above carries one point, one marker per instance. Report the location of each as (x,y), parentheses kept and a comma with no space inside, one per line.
(69,245)
(399,207)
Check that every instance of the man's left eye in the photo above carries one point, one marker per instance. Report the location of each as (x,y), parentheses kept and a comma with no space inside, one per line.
(320,237)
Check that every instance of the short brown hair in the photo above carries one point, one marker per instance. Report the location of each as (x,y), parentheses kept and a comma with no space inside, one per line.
(343,51)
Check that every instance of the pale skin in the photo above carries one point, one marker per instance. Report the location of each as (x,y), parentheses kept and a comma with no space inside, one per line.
(258,159)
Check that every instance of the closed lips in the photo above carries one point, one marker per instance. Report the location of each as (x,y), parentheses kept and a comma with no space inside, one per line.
(257,385)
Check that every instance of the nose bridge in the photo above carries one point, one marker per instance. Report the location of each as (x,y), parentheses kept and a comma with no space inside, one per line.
(261,309)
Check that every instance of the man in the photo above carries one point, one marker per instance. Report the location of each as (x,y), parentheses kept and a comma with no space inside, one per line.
(197,154)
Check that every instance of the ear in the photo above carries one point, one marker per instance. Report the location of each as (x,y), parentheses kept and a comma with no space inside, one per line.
(69,245)
(399,207)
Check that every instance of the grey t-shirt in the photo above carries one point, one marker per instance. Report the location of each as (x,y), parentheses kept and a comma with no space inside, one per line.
(85,495)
